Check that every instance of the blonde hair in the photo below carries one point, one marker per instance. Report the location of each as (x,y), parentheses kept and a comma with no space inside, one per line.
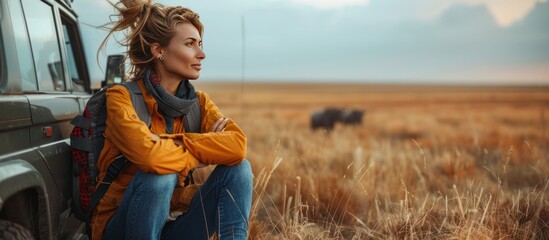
(144,24)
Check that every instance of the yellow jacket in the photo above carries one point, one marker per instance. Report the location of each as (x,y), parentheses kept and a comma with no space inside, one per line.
(126,134)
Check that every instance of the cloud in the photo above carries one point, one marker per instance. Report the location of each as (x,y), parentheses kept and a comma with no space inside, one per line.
(505,12)
(331,4)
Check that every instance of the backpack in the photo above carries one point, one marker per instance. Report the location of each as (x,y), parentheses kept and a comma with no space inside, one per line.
(86,141)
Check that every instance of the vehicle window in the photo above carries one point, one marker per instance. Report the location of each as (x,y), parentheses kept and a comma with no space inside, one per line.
(23,49)
(45,45)
(2,72)
(70,34)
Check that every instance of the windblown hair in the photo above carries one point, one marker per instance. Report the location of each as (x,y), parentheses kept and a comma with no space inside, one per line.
(144,23)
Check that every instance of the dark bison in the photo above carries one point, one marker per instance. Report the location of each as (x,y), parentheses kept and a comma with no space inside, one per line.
(352,117)
(326,118)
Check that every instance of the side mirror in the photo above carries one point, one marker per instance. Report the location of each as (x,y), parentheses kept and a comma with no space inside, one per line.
(115,70)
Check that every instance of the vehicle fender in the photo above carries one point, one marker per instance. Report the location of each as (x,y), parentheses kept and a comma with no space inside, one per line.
(18,175)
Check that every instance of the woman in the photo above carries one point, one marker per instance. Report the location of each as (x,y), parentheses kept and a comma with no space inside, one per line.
(147,200)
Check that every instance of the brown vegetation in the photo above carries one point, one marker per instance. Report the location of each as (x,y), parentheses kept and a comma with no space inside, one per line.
(427,163)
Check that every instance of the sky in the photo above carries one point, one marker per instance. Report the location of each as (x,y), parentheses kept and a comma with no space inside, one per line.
(370,41)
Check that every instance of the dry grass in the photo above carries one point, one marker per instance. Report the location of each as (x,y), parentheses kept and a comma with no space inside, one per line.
(427,163)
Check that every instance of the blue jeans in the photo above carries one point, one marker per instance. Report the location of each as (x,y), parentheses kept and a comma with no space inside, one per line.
(221,206)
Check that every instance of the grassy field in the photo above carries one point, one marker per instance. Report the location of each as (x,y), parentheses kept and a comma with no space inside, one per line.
(428,162)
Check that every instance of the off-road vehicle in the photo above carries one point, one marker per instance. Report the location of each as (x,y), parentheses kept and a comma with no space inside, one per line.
(44,83)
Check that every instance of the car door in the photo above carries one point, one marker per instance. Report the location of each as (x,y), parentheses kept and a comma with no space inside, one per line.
(61,92)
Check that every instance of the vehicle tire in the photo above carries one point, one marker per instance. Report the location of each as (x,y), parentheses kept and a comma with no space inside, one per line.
(11,230)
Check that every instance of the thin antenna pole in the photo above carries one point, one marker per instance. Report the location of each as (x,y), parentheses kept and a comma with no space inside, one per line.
(243,69)
(543,143)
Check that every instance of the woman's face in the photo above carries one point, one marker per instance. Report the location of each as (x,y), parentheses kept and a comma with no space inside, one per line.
(184,53)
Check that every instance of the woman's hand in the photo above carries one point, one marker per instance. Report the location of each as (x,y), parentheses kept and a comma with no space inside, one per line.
(219,126)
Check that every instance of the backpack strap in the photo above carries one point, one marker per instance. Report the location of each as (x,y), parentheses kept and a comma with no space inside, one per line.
(193,120)
(138,101)
(112,171)
(192,123)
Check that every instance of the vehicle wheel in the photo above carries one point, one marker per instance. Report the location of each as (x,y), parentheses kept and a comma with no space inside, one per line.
(11,230)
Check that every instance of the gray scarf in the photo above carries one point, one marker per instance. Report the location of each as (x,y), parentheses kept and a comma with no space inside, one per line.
(169,105)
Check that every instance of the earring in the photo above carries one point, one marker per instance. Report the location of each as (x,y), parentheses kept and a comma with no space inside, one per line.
(161,58)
